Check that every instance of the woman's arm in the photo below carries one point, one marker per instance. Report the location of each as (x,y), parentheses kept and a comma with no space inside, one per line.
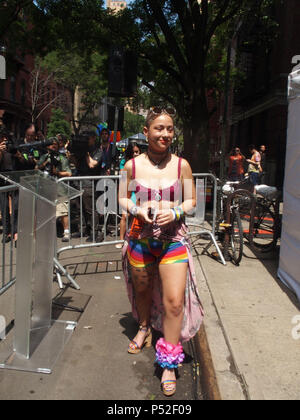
(167,216)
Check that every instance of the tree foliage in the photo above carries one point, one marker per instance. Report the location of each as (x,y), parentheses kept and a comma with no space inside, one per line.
(81,74)
(12,17)
(133,124)
(183,56)
(58,124)
(181,45)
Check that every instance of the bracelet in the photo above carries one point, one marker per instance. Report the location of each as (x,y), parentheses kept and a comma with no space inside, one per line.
(134,210)
(174,214)
(178,212)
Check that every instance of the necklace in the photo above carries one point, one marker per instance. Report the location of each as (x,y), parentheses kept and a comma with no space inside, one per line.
(157,163)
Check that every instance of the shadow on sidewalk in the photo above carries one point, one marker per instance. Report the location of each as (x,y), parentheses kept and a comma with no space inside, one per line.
(270,261)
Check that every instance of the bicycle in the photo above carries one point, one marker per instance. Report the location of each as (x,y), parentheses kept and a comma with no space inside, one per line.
(263,216)
(265,223)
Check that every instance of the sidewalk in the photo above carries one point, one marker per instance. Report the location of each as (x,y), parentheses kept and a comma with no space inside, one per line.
(95,364)
(248,322)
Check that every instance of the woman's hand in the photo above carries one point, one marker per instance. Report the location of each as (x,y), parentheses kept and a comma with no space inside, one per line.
(143,215)
(164,217)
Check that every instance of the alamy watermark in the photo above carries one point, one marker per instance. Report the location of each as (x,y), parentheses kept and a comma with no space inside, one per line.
(2,67)
(2,328)
(111,197)
(296,329)
(295,60)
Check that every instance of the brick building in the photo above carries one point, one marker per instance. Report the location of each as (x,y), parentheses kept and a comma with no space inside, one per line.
(16,109)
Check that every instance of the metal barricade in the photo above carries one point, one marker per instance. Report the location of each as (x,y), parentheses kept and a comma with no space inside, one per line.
(8,208)
(94,215)
(102,191)
(203,221)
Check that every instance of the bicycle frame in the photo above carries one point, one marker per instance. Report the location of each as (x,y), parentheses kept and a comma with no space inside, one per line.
(229,204)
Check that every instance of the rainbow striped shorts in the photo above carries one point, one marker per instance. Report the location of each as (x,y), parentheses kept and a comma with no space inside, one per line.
(144,252)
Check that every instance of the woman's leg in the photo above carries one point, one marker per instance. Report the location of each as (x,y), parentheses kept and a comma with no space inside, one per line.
(173,277)
(142,283)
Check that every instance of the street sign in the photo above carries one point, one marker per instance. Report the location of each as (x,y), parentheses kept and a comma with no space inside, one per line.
(2,67)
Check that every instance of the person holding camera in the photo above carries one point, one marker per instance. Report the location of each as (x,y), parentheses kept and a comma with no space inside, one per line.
(26,160)
(56,164)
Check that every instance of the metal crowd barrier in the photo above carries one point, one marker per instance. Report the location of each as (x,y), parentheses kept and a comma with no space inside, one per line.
(99,205)
(103,191)
(203,222)
(8,196)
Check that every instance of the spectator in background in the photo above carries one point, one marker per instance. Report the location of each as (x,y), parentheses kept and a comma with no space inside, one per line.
(132,151)
(263,163)
(236,165)
(254,168)
(90,165)
(27,160)
(56,164)
(40,136)
(63,144)
(106,148)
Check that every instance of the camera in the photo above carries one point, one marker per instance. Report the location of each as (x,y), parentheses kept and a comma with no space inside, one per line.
(12,145)
(53,161)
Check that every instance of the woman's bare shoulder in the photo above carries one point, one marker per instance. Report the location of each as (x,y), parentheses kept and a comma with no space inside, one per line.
(185,166)
(128,165)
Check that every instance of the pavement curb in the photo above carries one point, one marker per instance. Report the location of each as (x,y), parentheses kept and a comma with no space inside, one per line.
(208,377)
(219,373)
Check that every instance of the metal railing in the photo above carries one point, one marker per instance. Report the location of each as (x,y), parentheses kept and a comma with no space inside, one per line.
(204,222)
(8,194)
(103,195)
(97,210)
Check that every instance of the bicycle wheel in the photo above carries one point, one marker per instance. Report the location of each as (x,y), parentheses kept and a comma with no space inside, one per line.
(236,237)
(266,228)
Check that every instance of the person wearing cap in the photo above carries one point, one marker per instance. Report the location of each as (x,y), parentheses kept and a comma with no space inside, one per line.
(56,164)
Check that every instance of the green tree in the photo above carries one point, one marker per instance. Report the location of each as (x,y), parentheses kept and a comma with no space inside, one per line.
(182,53)
(133,124)
(58,124)
(181,45)
(81,74)
(11,17)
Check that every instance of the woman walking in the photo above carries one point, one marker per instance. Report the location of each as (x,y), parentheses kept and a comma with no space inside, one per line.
(157,261)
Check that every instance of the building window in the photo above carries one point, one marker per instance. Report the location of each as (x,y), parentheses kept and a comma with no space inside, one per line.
(12,89)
